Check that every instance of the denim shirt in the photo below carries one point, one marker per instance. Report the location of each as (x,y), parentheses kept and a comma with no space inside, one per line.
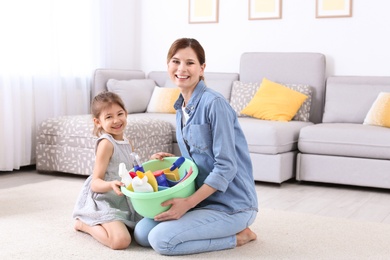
(212,138)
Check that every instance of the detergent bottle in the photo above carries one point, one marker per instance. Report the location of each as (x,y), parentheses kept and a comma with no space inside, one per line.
(124,174)
(140,183)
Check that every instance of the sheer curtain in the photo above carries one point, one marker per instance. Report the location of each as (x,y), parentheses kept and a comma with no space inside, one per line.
(48,50)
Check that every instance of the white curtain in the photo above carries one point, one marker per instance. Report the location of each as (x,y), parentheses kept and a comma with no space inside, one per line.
(48,50)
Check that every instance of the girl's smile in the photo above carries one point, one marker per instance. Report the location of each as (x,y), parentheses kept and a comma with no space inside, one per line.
(113,120)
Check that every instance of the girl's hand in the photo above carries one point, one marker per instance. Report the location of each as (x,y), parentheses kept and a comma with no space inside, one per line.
(160,156)
(116,185)
(179,207)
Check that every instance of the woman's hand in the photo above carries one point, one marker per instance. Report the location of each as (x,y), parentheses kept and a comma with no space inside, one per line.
(160,156)
(179,207)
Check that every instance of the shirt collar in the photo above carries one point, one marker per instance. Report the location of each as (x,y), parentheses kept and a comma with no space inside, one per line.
(194,100)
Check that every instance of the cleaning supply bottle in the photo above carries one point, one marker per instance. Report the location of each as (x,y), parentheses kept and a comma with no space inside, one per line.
(137,163)
(177,163)
(124,174)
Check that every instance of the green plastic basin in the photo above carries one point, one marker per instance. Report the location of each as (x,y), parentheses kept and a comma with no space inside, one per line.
(149,204)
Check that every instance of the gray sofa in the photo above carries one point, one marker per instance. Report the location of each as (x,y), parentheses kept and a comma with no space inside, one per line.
(273,145)
(342,149)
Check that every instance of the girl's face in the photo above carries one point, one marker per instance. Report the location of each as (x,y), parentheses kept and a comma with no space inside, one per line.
(184,69)
(113,120)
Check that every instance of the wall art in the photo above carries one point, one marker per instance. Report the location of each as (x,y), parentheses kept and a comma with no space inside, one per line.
(333,8)
(203,11)
(265,9)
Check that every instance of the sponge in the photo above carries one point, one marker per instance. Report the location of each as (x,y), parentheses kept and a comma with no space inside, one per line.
(152,180)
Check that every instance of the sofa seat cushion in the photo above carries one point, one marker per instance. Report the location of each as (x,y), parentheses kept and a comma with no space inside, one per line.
(166,117)
(346,139)
(271,137)
(66,143)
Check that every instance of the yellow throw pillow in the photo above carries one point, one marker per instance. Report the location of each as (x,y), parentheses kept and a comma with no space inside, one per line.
(162,100)
(274,101)
(379,113)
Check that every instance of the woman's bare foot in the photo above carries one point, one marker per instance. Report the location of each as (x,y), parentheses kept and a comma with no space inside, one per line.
(245,236)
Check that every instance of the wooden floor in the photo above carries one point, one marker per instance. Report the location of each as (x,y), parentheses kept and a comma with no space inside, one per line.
(358,203)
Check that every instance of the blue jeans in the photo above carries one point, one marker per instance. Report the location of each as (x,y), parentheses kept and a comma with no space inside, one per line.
(200,230)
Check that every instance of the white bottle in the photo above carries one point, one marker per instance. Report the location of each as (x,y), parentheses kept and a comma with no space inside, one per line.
(124,174)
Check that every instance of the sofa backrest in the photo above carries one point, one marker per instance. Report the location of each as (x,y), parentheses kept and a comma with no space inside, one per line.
(288,68)
(349,98)
(101,76)
(219,81)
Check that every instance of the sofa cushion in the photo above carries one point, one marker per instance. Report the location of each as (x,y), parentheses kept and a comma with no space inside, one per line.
(379,113)
(135,93)
(166,117)
(66,143)
(271,137)
(346,139)
(274,101)
(222,86)
(162,100)
(242,94)
(350,102)
(303,113)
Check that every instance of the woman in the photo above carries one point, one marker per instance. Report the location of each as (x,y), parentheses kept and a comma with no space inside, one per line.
(217,216)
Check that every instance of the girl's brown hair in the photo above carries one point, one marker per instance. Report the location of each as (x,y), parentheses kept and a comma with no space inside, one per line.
(183,43)
(102,101)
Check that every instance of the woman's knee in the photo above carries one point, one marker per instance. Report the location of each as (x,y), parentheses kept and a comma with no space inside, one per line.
(142,230)
(158,242)
(141,237)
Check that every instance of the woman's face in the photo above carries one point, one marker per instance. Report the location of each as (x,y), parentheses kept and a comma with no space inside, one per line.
(184,69)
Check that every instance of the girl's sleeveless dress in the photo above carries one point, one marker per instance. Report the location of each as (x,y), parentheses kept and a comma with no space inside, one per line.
(97,208)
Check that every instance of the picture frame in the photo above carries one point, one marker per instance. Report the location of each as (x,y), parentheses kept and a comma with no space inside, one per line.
(265,9)
(333,8)
(203,11)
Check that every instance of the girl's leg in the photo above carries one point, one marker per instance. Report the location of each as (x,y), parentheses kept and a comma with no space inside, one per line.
(112,234)
(202,231)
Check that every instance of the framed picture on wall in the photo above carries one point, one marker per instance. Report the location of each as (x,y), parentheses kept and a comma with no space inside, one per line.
(265,9)
(333,8)
(203,11)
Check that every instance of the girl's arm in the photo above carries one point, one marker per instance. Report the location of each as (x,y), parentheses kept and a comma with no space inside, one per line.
(104,152)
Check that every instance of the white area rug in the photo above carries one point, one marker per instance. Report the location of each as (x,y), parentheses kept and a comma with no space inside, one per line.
(35,223)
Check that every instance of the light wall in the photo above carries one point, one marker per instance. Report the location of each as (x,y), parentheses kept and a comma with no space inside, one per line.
(353,46)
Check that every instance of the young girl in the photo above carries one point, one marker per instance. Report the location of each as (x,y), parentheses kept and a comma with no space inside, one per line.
(101,209)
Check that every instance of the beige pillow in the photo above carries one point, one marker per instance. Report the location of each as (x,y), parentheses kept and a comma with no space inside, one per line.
(379,113)
(162,100)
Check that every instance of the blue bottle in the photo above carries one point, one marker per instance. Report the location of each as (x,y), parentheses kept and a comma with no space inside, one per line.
(137,163)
